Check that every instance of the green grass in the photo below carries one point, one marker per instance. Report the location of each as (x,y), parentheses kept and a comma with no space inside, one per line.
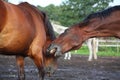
(103,51)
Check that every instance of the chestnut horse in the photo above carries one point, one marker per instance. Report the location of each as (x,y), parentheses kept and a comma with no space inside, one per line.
(25,32)
(100,24)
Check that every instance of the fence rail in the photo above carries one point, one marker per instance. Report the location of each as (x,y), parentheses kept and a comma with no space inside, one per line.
(109,43)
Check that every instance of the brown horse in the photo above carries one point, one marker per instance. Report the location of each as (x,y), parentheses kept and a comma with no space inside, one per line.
(26,32)
(101,24)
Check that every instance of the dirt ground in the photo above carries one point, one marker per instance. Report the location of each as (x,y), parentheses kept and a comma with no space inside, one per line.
(78,68)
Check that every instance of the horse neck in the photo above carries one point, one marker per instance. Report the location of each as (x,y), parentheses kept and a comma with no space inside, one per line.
(99,28)
(3,14)
(50,36)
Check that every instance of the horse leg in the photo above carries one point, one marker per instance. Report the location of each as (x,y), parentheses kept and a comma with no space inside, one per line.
(95,43)
(66,54)
(89,44)
(69,55)
(20,66)
(38,60)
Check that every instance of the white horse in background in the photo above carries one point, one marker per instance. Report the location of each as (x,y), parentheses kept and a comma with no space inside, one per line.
(67,56)
(92,44)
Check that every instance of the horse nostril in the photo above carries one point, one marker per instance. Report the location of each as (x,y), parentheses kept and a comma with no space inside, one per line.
(48,74)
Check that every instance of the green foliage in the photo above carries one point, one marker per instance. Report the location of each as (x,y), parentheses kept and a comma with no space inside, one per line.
(52,11)
(74,11)
(103,51)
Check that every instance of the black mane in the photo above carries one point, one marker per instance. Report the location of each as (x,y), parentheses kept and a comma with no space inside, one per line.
(49,27)
(102,14)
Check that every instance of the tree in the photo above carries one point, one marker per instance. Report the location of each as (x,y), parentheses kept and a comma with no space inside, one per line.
(52,11)
(73,11)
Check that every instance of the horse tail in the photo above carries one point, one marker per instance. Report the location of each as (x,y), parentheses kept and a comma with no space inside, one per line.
(3,13)
(49,27)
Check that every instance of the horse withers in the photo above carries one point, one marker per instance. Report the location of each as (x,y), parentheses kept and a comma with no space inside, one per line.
(26,31)
(100,24)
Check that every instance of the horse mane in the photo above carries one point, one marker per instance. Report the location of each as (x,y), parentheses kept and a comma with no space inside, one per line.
(50,30)
(101,14)
(48,26)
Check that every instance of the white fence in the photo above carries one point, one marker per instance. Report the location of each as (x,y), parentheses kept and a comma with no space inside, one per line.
(109,43)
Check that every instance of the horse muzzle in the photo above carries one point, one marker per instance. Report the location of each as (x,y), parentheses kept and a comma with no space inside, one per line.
(55,50)
(49,71)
